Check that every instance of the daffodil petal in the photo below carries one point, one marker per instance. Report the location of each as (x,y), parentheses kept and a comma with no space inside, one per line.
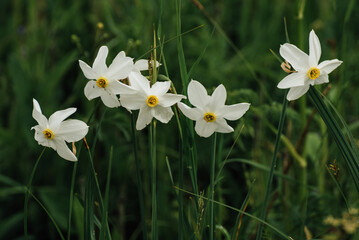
(222,126)
(57,117)
(120,69)
(160,88)
(293,80)
(88,71)
(37,114)
(39,136)
(235,111)
(92,91)
(144,118)
(132,101)
(139,82)
(118,57)
(117,87)
(296,57)
(169,99)
(110,99)
(204,129)
(314,49)
(218,98)
(329,65)
(192,113)
(296,92)
(323,78)
(197,94)
(99,65)
(72,130)
(142,64)
(163,114)
(64,151)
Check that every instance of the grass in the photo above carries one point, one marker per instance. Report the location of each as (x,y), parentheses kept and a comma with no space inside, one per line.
(214,42)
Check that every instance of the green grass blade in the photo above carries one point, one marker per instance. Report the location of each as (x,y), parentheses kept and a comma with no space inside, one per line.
(105,233)
(348,151)
(27,191)
(152,150)
(275,229)
(212,175)
(139,179)
(273,165)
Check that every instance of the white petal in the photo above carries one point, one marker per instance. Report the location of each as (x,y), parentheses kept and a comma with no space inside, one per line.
(119,57)
(39,136)
(197,94)
(139,82)
(92,91)
(204,129)
(323,78)
(110,99)
(88,71)
(160,88)
(222,126)
(37,115)
(218,98)
(118,87)
(163,114)
(329,65)
(72,130)
(296,57)
(235,111)
(132,101)
(296,92)
(314,49)
(295,79)
(99,65)
(191,113)
(141,64)
(57,117)
(144,118)
(64,151)
(169,99)
(120,69)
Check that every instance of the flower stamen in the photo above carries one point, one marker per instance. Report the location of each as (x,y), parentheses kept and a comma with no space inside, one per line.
(101,82)
(152,100)
(209,117)
(313,73)
(48,133)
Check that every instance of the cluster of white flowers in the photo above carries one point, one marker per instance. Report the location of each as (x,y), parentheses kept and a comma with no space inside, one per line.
(123,77)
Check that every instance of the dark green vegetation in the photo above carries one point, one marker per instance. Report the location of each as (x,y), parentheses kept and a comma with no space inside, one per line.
(40,43)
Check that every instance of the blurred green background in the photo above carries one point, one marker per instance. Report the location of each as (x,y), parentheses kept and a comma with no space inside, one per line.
(41,42)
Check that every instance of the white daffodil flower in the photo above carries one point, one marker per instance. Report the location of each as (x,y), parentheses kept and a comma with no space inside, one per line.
(143,65)
(308,71)
(153,102)
(55,132)
(105,83)
(211,112)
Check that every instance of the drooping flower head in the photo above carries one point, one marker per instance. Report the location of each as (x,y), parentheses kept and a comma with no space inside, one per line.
(210,112)
(55,132)
(308,71)
(105,80)
(152,101)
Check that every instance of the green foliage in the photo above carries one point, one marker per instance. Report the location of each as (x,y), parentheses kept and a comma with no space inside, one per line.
(226,42)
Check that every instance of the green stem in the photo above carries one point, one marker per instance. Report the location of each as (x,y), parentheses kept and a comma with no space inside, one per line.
(274,163)
(27,191)
(71,200)
(152,144)
(139,179)
(213,166)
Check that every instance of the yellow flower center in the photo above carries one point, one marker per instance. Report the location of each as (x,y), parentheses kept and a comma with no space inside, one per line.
(48,133)
(101,82)
(209,117)
(313,73)
(152,100)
